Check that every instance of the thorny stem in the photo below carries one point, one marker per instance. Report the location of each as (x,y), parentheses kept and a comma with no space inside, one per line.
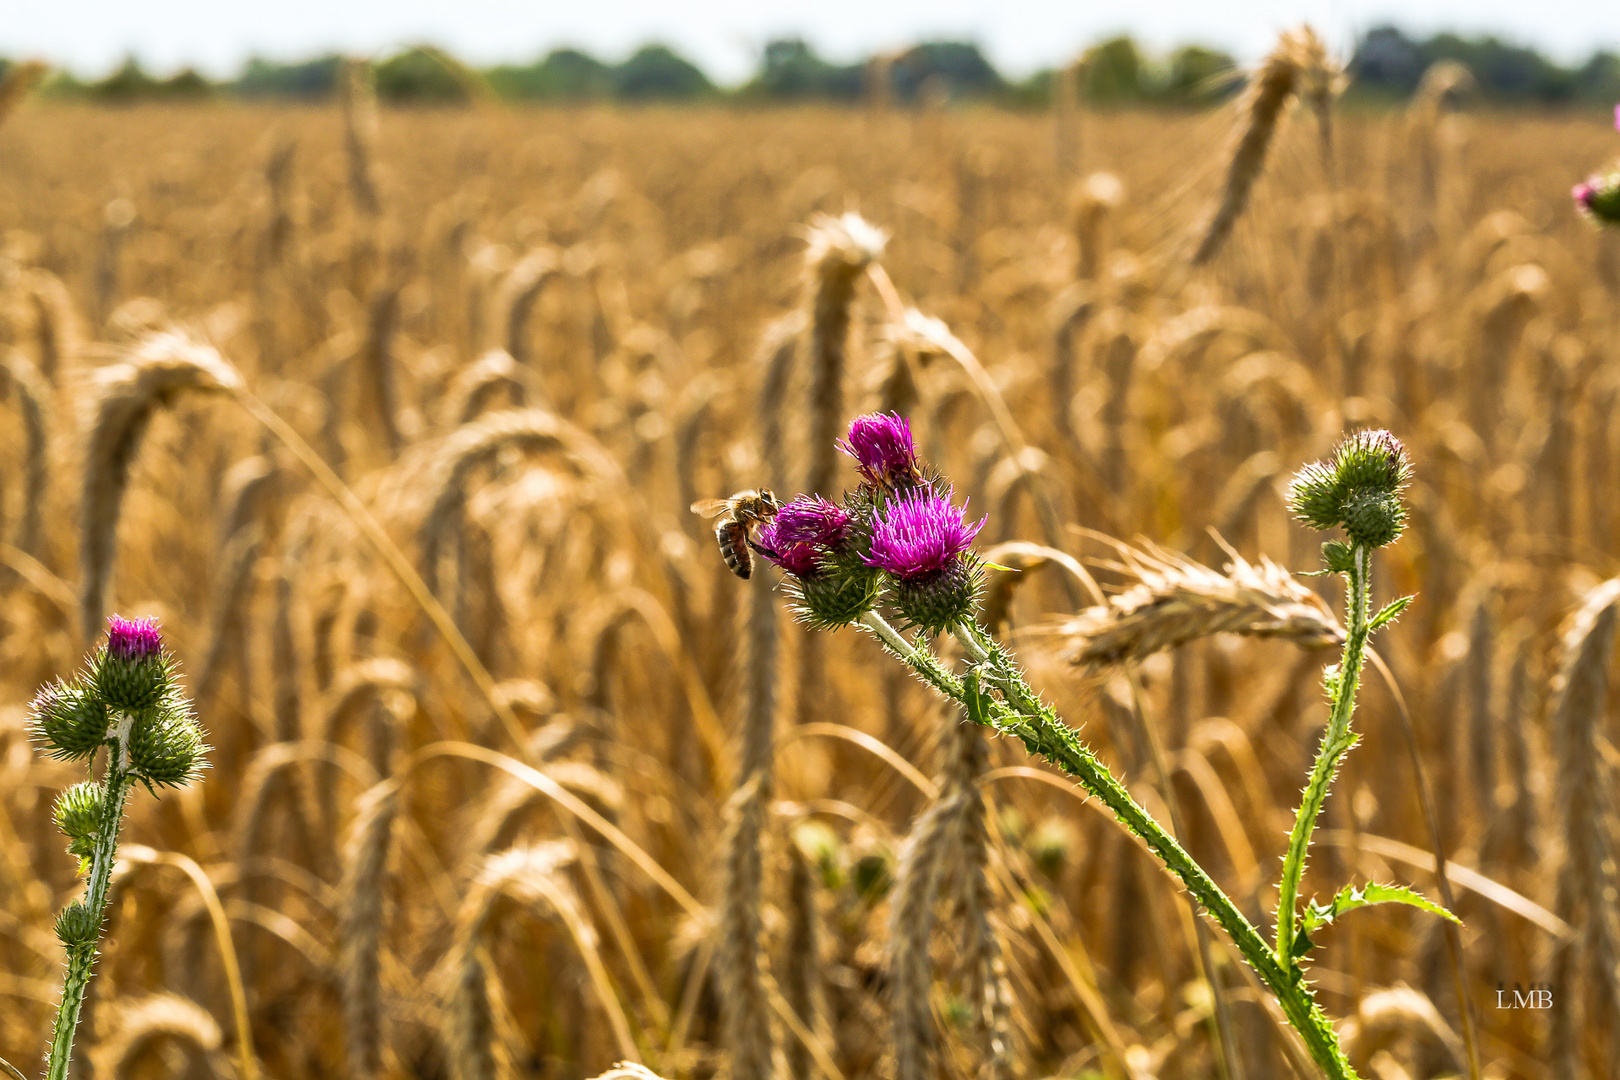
(1022,714)
(1335,741)
(82,956)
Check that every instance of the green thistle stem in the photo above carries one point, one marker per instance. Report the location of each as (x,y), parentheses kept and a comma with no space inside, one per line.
(1022,714)
(82,956)
(1335,741)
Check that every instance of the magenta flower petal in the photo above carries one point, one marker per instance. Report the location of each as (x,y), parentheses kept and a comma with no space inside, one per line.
(807,520)
(133,639)
(881,445)
(919,535)
(802,532)
(797,559)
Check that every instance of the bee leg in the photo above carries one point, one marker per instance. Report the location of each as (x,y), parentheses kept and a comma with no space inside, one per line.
(765,551)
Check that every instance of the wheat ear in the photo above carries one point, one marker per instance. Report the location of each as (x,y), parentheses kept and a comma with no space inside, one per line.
(361,894)
(19,80)
(1177,600)
(840,249)
(1581,704)
(137,1026)
(153,374)
(1280,77)
(20,377)
(360,127)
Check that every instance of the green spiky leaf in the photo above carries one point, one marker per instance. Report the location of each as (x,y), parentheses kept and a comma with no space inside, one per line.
(1389,614)
(978,703)
(1352,897)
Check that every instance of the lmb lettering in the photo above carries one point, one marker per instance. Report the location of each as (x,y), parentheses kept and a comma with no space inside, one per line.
(1536,996)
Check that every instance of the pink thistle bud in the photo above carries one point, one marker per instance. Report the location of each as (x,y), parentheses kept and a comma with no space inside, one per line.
(133,639)
(881,446)
(132,672)
(1598,197)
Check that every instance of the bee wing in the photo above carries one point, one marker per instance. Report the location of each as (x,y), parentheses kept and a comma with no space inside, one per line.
(711,507)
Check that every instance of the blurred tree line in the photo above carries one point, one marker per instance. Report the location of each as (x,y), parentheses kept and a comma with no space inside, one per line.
(1386,67)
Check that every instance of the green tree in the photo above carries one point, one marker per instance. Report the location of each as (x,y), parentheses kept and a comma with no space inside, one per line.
(657,73)
(1113,71)
(564,75)
(425,76)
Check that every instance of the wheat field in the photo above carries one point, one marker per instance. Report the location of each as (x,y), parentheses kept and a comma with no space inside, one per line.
(393,419)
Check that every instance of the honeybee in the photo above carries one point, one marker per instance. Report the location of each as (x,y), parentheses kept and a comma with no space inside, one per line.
(739,516)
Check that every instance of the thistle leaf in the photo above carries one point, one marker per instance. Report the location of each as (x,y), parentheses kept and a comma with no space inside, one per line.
(1389,614)
(1350,898)
(978,703)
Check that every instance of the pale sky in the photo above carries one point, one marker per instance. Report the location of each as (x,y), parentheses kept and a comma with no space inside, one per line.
(725,36)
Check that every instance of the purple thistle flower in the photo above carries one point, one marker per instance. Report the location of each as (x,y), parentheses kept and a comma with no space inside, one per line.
(133,639)
(920,535)
(808,519)
(802,532)
(881,445)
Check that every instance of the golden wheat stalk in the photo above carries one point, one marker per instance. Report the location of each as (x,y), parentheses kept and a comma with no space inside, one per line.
(1588,878)
(473,387)
(363,892)
(746,1012)
(530,873)
(924,858)
(1282,75)
(360,130)
(19,80)
(151,375)
(801,971)
(19,377)
(1176,600)
(137,1026)
(515,299)
(56,325)
(840,249)
(451,462)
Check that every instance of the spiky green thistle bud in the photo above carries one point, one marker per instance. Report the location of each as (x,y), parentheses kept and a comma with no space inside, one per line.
(1374,518)
(940,602)
(77,926)
(68,719)
(1338,556)
(1359,489)
(78,815)
(1315,497)
(1598,197)
(836,596)
(1374,460)
(166,745)
(132,672)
